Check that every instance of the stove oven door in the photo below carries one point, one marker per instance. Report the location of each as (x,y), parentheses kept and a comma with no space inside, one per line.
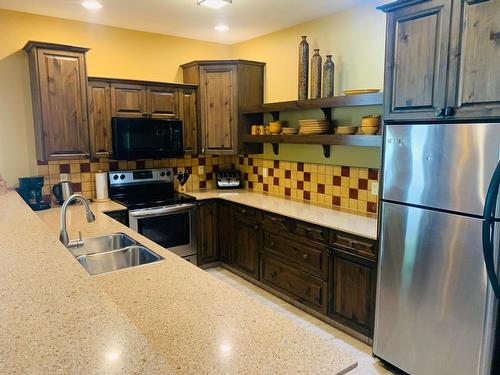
(173,227)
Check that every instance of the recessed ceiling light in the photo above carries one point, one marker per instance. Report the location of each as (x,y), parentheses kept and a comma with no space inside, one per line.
(91,4)
(221,28)
(215,4)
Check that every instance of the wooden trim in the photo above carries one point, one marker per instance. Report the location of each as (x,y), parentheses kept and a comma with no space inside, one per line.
(320,139)
(53,46)
(222,62)
(140,82)
(391,7)
(336,101)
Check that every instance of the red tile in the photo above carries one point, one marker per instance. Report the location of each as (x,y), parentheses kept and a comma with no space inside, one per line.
(276,164)
(210,176)
(363,184)
(64,168)
(255,170)
(371,207)
(300,185)
(337,180)
(307,176)
(336,201)
(77,187)
(242,161)
(373,174)
(353,193)
(260,178)
(346,172)
(250,184)
(270,172)
(250,161)
(288,174)
(321,188)
(202,161)
(215,168)
(140,164)
(300,167)
(307,195)
(245,176)
(288,192)
(276,181)
(113,166)
(266,187)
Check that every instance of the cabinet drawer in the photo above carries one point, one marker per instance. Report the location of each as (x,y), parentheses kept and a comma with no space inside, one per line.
(355,245)
(247,212)
(309,258)
(275,223)
(296,284)
(310,231)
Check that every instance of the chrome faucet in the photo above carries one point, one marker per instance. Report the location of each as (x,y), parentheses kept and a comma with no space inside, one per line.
(63,237)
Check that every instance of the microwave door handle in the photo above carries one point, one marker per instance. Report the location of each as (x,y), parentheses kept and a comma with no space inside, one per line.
(162,210)
(488,230)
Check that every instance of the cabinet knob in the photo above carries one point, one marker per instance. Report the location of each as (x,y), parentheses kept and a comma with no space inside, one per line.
(272,243)
(449,111)
(440,112)
(256,227)
(305,256)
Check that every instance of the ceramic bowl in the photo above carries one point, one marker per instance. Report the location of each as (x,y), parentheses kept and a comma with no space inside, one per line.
(275,127)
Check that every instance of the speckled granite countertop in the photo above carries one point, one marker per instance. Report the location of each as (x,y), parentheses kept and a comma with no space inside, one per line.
(362,225)
(165,317)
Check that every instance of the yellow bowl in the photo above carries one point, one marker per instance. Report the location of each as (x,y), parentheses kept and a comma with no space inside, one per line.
(370,130)
(275,127)
(372,121)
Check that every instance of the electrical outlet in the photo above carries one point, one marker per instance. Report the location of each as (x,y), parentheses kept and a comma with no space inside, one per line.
(182,189)
(201,169)
(375,188)
(264,172)
(64,177)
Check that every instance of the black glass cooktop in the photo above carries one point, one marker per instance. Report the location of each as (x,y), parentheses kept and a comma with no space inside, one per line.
(138,201)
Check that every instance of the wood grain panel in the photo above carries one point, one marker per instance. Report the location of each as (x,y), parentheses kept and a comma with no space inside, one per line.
(162,102)
(128,100)
(188,113)
(246,245)
(207,232)
(100,119)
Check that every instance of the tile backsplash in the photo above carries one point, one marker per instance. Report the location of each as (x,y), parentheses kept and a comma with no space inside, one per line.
(344,187)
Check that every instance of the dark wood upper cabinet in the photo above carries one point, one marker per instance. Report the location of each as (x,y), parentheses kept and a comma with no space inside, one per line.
(474,76)
(208,251)
(101,140)
(128,100)
(441,59)
(416,60)
(224,87)
(162,102)
(59,93)
(188,113)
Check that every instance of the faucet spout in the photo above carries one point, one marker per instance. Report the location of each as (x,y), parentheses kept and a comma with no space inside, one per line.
(63,236)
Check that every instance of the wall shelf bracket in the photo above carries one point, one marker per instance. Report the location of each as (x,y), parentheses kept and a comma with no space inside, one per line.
(276,115)
(276,148)
(326,150)
(328,113)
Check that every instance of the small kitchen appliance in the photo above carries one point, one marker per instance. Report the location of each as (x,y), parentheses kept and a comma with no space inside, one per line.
(30,189)
(156,210)
(62,191)
(229,179)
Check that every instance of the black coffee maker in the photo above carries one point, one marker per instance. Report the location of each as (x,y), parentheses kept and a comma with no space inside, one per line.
(30,189)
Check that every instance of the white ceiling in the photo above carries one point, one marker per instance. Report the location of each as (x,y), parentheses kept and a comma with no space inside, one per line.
(246,18)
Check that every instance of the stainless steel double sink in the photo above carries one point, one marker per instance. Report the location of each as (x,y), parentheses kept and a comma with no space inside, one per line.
(111,252)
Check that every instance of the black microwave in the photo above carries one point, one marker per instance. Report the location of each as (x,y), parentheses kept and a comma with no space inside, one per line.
(146,138)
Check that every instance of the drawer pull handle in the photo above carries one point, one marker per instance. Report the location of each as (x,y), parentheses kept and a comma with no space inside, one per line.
(305,256)
(256,227)
(272,243)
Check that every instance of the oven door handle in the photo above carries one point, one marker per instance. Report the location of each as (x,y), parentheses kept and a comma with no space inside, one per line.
(162,210)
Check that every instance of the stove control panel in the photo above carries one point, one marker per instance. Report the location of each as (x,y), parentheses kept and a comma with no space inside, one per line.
(141,176)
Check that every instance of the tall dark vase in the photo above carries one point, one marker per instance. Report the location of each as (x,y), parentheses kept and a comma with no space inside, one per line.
(316,66)
(328,77)
(303,68)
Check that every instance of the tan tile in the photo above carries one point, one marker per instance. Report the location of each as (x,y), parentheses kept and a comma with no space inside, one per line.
(337,170)
(131,165)
(43,169)
(104,167)
(362,206)
(321,169)
(314,177)
(363,173)
(53,168)
(362,195)
(372,198)
(344,202)
(307,186)
(321,179)
(344,192)
(337,191)
(94,167)
(353,204)
(344,182)
(53,162)
(307,167)
(353,182)
(86,177)
(76,177)
(329,170)
(74,168)
(354,172)
(122,165)
(329,189)
(300,176)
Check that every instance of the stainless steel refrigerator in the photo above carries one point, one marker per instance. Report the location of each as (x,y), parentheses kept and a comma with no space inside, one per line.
(437,289)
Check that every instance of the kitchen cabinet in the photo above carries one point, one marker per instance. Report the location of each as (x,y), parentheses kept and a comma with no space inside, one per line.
(246,241)
(225,238)
(225,86)
(59,95)
(188,113)
(440,59)
(101,141)
(162,102)
(128,100)
(207,232)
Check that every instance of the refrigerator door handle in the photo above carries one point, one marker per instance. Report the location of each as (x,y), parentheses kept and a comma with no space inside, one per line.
(488,230)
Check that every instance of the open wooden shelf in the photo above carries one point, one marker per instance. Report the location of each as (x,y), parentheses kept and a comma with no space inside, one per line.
(336,101)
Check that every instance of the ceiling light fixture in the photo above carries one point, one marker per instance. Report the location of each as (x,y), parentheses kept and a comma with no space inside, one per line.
(215,4)
(92,5)
(221,28)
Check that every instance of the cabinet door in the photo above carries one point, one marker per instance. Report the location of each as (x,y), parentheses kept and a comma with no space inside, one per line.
(188,115)
(63,104)
(99,96)
(207,232)
(163,102)
(128,100)
(218,109)
(474,79)
(353,283)
(416,60)
(246,246)
(225,232)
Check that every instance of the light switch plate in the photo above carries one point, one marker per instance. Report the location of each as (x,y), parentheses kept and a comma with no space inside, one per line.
(64,177)
(375,188)
(264,172)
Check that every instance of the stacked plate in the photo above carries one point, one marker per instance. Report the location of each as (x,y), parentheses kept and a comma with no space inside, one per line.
(287,131)
(319,126)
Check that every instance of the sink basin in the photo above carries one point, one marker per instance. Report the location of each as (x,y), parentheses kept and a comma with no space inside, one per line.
(101,244)
(131,256)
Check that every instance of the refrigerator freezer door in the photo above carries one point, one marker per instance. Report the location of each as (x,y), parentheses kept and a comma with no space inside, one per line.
(435,307)
(444,166)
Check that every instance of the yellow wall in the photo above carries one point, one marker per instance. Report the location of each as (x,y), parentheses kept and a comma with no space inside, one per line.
(355,37)
(114,52)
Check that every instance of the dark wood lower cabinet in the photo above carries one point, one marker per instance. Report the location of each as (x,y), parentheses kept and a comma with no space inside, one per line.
(353,283)
(225,239)
(246,245)
(207,232)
